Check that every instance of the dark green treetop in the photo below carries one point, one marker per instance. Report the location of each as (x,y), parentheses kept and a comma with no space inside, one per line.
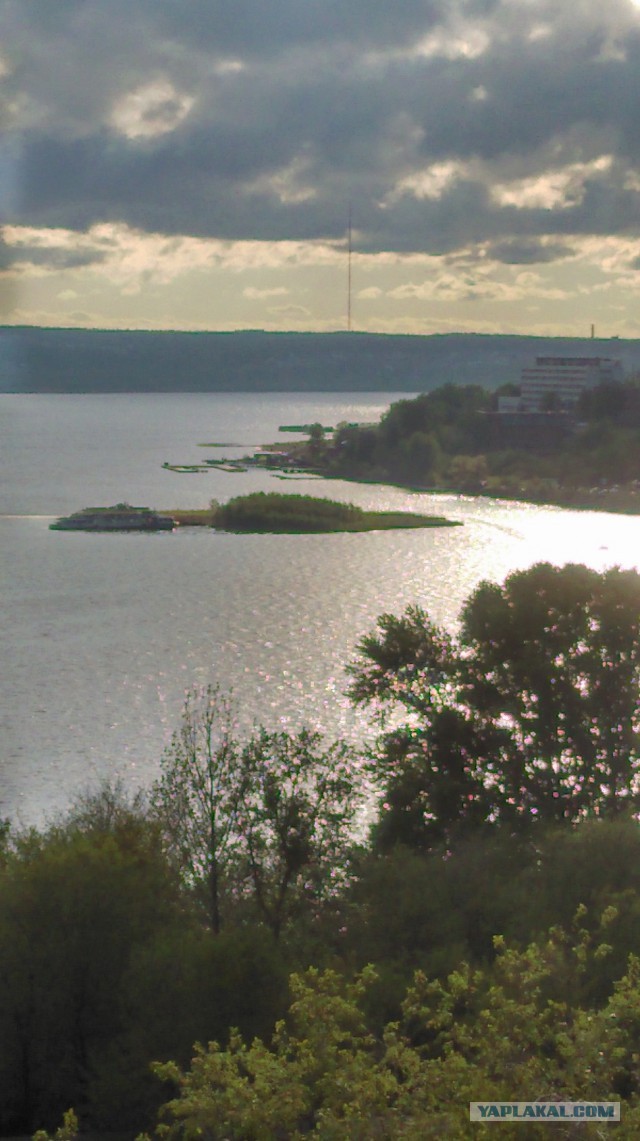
(532,713)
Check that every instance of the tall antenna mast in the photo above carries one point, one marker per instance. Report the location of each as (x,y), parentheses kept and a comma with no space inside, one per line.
(349,251)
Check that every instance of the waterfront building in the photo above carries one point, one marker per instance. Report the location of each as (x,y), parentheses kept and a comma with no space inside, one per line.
(557,383)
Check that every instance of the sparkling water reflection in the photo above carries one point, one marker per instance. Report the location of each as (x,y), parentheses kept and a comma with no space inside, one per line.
(105,632)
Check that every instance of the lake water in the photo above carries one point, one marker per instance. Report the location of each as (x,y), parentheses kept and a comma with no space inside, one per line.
(103,634)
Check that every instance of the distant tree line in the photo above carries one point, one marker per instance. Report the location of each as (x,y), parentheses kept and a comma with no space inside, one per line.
(451,437)
(473,940)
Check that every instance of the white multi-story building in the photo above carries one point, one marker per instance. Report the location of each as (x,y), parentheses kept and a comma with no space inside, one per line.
(558,382)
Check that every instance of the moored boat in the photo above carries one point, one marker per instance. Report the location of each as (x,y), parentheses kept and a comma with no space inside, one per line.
(121,517)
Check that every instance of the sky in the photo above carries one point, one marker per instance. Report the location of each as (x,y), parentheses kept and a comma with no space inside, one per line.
(193,164)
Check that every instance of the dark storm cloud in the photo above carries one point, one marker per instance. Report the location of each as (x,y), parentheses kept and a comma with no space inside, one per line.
(256,28)
(270,118)
(6,256)
(57,259)
(528,251)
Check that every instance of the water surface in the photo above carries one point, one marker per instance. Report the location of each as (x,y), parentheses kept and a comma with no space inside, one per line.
(103,634)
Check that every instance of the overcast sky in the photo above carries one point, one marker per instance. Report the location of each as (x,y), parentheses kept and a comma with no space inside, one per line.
(192,164)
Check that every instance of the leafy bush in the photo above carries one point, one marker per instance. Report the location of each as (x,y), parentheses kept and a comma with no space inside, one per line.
(263,511)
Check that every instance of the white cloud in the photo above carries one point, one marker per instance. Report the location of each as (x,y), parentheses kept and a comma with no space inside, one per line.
(129,257)
(287,185)
(483,283)
(153,109)
(632,181)
(448,287)
(611,255)
(552,190)
(465,42)
(229,66)
(433,182)
(540,32)
(253,294)
(290,312)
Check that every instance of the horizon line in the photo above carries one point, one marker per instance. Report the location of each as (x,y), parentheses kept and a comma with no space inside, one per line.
(311,332)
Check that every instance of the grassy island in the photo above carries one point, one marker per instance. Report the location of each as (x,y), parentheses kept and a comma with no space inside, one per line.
(292,514)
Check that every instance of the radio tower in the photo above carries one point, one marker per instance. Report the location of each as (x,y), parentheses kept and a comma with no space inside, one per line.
(349,251)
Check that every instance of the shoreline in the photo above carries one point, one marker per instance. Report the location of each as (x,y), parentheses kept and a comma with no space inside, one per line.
(601,502)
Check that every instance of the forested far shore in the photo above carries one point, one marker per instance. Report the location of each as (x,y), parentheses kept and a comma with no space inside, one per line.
(454,439)
(475,941)
(40,360)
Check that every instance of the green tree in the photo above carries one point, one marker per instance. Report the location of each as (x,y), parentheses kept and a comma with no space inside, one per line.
(197,798)
(556,653)
(74,906)
(299,800)
(469,473)
(531,714)
(68,1131)
(421,457)
(106,964)
(256,826)
(512,1031)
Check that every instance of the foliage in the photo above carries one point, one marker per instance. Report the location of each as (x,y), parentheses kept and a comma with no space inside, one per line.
(260,826)
(198,796)
(415,438)
(410,909)
(134,927)
(74,905)
(5,839)
(509,1032)
(106,965)
(68,1131)
(110,808)
(261,511)
(298,808)
(316,433)
(446,437)
(556,651)
(532,714)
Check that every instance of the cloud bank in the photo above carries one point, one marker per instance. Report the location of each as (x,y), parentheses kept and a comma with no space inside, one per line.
(507,127)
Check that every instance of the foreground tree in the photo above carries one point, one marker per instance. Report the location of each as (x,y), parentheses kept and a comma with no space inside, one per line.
(259,826)
(412,909)
(197,798)
(76,907)
(512,1032)
(532,714)
(299,800)
(105,964)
